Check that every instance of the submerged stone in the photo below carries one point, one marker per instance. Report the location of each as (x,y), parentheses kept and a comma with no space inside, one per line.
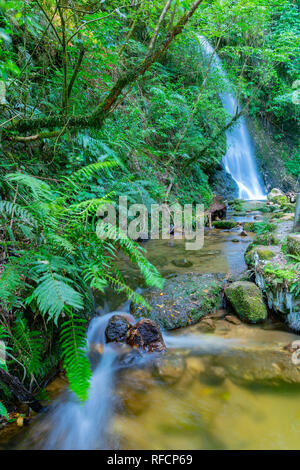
(246,299)
(182,263)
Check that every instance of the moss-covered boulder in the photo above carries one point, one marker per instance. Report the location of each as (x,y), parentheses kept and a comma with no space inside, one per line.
(266,239)
(225,224)
(258,253)
(293,244)
(277,196)
(246,299)
(184,300)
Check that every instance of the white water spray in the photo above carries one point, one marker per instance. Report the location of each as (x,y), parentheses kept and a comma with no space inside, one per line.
(239,160)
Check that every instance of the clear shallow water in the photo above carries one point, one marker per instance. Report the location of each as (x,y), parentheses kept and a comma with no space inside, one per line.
(193,405)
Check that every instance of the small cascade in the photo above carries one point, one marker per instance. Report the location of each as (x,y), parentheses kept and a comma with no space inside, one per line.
(239,160)
(86,426)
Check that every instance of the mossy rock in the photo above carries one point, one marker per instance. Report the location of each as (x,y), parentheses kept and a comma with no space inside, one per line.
(293,244)
(259,227)
(266,239)
(262,252)
(246,299)
(281,200)
(225,224)
(184,300)
(277,197)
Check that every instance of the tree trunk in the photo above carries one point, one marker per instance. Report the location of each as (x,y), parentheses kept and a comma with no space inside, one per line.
(18,389)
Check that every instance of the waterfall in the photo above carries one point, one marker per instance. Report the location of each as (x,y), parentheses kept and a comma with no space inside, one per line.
(239,160)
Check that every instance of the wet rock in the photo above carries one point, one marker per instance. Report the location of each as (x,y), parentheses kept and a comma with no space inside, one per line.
(129,358)
(246,299)
(235,240)
(182,263)
(261,253)
(243,233)
(259,366)
(184,300)
(170,368)
(134,390)
(117,329)
(213,375)
(232,319)
(206,325)
(146,334)
(217,208)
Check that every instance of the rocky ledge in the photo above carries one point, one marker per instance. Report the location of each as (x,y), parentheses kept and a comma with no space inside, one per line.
(273,256)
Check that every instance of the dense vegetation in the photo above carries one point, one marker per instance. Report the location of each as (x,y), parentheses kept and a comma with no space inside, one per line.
(102,99)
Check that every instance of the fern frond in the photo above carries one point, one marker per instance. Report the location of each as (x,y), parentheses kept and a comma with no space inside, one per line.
(91,169)
(39,189)
(29,343)
(54,291)
(3,411)
(60,243)
(76,363)
(19,211)
(10,283)
(133,250)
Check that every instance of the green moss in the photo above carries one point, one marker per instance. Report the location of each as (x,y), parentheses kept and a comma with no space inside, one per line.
(293,244)
(265,239)
(259,227)
(246,299)
(281,200)
(227,224)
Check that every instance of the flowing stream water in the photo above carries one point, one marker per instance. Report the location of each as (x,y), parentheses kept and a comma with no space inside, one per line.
(191,406)
(239,160)
(194,406)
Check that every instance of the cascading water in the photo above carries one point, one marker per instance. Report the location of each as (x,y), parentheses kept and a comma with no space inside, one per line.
(70,425)
(239,160)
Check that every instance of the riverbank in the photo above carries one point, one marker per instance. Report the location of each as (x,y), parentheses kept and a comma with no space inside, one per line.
(211,370)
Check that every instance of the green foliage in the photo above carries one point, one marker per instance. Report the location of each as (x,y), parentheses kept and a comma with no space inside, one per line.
(56,268)
(76,363)
(3,410)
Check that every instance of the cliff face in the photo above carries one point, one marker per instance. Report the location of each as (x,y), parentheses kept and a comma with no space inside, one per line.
(271,155)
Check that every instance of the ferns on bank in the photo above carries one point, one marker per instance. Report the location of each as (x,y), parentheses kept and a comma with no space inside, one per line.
(3,410)
(76,363)
(58,257)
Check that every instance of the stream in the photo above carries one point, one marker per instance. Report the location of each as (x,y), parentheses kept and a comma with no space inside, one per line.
(192,404)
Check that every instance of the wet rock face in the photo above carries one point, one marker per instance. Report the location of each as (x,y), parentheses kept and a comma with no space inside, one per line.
(146,334)
(246,299)
(184,300)
(117,329)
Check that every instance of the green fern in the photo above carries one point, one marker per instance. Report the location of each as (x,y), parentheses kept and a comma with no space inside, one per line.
(54,291)
(76,363)
(3,411)
(29,345)
(133,250)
